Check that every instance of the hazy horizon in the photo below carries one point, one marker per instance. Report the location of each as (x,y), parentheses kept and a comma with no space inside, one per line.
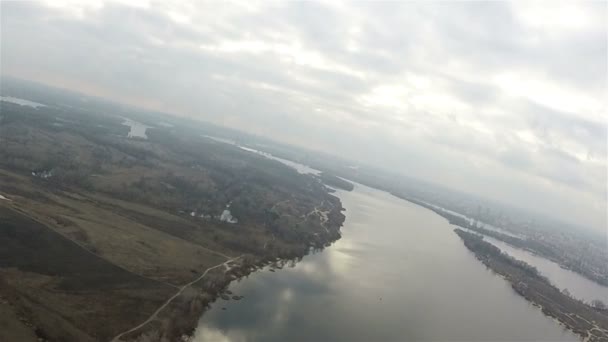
(503,100)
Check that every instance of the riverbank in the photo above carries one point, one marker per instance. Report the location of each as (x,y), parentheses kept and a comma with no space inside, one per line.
(391,277)
(587,322)
(98,243)
(532,246)
(176,318)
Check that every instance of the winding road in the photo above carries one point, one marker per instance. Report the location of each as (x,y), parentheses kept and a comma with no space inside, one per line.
(179,292)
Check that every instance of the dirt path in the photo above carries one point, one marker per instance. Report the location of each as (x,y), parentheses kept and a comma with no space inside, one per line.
(279,202)
(179,292)
(153,316)
(321,214)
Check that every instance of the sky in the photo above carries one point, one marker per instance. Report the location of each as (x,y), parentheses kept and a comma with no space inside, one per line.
(506,100)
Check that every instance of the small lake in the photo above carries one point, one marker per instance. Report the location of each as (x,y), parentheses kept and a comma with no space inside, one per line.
(138,130)
(399,273)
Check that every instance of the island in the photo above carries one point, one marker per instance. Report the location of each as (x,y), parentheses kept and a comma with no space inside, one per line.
(589,320)
(590,269)
(591,323)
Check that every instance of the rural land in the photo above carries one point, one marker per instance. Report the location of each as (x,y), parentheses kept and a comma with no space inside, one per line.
(121,225)
(112,236)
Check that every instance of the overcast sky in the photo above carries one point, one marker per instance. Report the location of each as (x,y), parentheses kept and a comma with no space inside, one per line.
(501,99)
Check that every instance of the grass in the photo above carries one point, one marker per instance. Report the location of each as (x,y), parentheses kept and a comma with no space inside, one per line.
(70,283)
(108,237)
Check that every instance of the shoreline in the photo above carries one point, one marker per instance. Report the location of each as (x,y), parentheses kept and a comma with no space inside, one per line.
(508,239)
(184,330)
(177,320)
(537,290)
(567,320)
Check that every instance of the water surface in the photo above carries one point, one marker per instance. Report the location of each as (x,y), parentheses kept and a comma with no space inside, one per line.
(137,129)
(21,102)
(398,273)
(301,168)
(578,286)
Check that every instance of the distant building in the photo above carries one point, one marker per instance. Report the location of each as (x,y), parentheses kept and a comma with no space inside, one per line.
(227,217)
(43,174)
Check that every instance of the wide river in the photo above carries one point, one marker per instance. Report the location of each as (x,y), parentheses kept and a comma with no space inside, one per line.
(398,273)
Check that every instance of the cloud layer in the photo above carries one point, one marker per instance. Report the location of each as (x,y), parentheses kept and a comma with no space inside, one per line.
(502,99)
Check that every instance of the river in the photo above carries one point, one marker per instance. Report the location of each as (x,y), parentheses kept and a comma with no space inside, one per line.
(578,286)
(398,273)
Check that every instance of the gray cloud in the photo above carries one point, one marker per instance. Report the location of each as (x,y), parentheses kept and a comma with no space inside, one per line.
(462,94)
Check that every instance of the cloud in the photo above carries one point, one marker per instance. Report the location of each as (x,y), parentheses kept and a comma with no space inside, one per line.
(441,91)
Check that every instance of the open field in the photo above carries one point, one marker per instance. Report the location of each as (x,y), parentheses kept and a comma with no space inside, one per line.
(77,289)
(102,229)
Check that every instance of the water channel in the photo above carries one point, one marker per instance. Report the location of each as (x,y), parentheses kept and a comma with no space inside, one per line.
(398,273)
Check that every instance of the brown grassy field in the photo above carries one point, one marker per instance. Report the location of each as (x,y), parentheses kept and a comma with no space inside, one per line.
(95,248)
